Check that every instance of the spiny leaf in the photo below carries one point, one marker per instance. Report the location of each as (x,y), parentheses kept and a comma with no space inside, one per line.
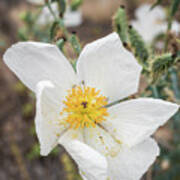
(75,44)
(121,24)
(60,43)
(62,6)
(161,64)
(138,46)
(75,4)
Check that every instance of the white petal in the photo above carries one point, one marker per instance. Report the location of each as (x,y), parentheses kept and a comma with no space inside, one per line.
(105,64)
(72,18)
(46,17)
(175,27)
(131,164)
(149,31)
(102,141)
(33,62)
(150,23)
(144,12)
(135,120)
(92,165)
(71,135)
(48,120)
(36,2)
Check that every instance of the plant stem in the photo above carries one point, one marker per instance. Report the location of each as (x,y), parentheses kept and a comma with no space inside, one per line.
(175,86)
(167,33)
(51,11)
(71,38)
(155,91)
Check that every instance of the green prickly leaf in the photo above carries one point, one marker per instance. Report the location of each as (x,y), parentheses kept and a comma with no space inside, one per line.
(138,45)
(75,4)
(60,43)
(75,44)
(161,64)
(62,5)
(121,23)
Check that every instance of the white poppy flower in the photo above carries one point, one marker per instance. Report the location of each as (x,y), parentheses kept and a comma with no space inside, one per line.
(72,106)
(150,23)
(71,18)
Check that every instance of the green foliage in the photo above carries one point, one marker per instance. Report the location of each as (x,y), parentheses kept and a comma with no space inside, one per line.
(175,81)
(27,109)
(138,46)
(170,174)
(20,87)
(27,17)
(22,34)
(53,29)
(174,7)
(121,24)
(60,44)
(75,4)
(73,63)
(34,153)
(161,64)
(62,6)
(158,2)
(75,44)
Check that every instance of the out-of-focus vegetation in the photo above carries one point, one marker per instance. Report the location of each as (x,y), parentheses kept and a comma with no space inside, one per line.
(19,149)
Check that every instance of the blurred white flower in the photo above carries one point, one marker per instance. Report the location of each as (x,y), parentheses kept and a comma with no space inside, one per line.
(71,18)
(37,2)
(150,23)
(72,109)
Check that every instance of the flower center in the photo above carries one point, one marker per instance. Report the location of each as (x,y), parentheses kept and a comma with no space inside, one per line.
(84,107)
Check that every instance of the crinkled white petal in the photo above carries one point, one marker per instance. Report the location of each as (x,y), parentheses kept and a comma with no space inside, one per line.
(71,18)
(124,162)
(135,120)
(132,163)
(33,62)
(102,141)
(49,124)
(70,135)
(105,64)
(92,165)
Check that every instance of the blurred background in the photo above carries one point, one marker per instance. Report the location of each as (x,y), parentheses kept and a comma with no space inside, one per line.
(19,147)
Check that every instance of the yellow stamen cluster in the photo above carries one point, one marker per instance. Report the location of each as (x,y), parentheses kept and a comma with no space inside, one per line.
(84,107)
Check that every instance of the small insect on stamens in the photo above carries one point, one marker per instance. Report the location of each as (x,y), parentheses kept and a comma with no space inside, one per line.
(84,104)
